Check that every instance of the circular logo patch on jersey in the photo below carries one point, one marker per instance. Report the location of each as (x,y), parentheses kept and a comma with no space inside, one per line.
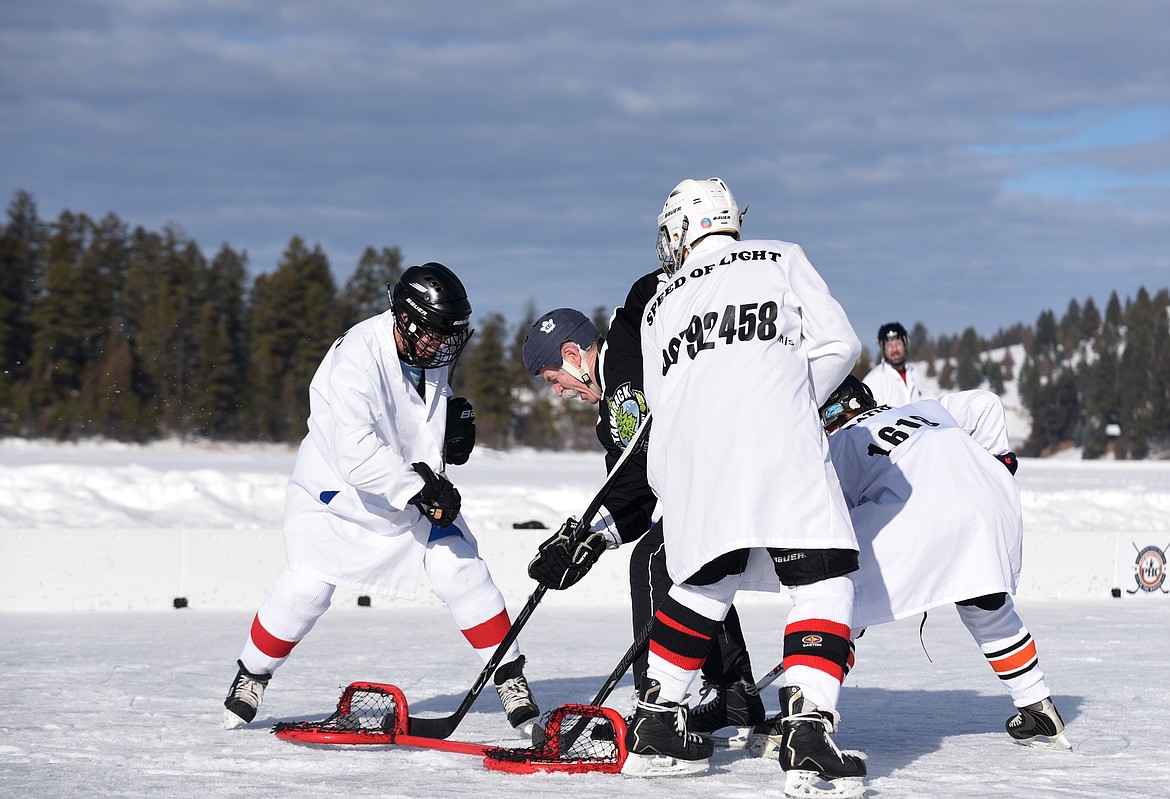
(627,409)
(812,640)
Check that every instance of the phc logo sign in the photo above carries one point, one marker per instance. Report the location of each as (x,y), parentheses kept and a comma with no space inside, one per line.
(1149,570)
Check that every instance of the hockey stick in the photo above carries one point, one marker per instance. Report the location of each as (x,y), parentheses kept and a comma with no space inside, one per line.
(443,727)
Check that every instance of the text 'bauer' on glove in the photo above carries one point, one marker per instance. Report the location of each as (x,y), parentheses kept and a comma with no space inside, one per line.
(439,501)
(460,435)
(559,564)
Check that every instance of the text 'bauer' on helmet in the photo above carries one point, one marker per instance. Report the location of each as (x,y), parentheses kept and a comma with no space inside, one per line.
(431,314)
(694,209)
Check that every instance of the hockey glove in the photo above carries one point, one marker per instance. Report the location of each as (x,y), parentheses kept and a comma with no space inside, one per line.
(460,431)
(439,501)
(559,564)
(1009,460)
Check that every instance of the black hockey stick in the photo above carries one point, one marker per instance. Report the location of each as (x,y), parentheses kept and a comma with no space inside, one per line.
(444,726)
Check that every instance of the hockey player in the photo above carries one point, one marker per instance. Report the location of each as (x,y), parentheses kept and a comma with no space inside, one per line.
(938,520)
(369,506)
(749,343)
(892,380)
(564,347)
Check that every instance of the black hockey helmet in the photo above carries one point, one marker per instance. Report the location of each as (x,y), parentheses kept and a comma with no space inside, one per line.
(892,330)
(431,314)
(889,332)
(847,400)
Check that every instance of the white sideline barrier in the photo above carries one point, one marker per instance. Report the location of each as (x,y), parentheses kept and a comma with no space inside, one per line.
(77,569)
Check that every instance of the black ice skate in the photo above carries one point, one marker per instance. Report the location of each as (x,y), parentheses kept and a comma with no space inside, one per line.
(658,742)
(244,697)
(516,696)
(799,738)
(1040,725)
(737,706)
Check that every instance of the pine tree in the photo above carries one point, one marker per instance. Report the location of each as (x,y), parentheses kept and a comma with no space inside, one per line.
(487,381)
(110,401)
(1069,331)
(364,294)
(294,322)
(1134,374)
(22,265)
(968,374)
(162,282)
(220,379)
(62,319)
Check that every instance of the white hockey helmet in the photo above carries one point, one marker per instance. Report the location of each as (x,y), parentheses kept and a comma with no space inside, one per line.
(694,209)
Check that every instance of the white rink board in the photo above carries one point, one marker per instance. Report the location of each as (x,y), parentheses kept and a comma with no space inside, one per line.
(75,569)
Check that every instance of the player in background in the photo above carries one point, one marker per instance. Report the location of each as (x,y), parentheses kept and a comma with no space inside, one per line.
(743,344)
(369,506)
(564,348)
(938,520)
(893,381)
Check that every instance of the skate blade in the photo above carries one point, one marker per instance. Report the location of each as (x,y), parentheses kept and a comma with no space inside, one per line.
(1056,742)
(231,721)
(761,745)
(799,784)
(661,766)
(731,737)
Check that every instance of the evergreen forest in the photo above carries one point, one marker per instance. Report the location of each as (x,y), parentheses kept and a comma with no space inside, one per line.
(135,335)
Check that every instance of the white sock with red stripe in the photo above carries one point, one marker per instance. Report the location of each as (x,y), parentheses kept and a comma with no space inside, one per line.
(816,639)
(460,578)
(285,617)
(1010,650)
(690,615)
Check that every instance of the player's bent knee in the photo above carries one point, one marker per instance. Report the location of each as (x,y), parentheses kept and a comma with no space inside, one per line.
(807,566)
(985,602)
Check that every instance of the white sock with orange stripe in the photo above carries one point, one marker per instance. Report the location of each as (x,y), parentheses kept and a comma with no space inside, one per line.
(1010,650)
(285,617)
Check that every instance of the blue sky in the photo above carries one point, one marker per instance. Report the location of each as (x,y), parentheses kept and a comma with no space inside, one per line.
(958,164)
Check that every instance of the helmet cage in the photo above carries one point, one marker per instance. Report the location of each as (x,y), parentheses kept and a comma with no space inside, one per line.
(431,315)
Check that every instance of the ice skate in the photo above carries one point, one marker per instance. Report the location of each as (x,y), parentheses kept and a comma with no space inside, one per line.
(1039,725)
(244,697)
(799,738)
(736,708)
(516,696)
(658,742)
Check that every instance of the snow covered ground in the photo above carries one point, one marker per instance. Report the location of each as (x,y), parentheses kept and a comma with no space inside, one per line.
(127,704)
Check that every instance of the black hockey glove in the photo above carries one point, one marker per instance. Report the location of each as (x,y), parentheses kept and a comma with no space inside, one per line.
(1008,459)
(460,431)
(439,501)
(558,564)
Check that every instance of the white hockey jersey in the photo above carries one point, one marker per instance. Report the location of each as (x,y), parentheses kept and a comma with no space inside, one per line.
(937,516)
(347,519)
(740,349)
(889,388)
